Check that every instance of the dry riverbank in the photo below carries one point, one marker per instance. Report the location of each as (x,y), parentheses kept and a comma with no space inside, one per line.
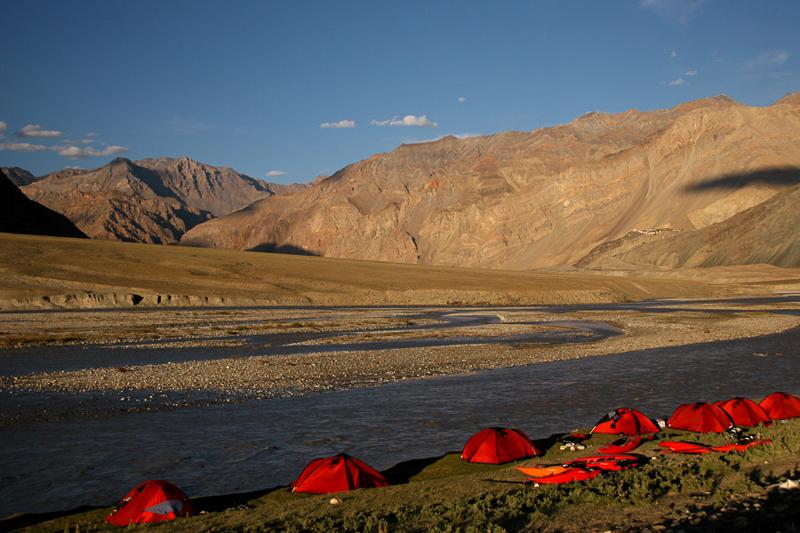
(257,373)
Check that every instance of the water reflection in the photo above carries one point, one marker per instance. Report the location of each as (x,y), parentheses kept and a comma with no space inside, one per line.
(241,447)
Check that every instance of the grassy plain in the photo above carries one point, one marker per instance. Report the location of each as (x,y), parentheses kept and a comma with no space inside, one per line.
(50,272)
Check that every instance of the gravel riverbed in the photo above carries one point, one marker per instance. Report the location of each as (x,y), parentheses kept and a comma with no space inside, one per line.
(260,373)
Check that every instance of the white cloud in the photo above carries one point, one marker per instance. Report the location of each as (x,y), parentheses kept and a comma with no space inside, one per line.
(70,149)
(75,152)
(674,53)
(679,81)
(462,98)
(768,59)
(35,131)
(680,11)
(408,120)
(23,147)
(114,150)
(692,73)
(340,124)
(272,173)
(67,142)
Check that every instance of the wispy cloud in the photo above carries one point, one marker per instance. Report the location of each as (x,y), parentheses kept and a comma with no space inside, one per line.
(769,59)
(340,124)
(679,81)
(76,152)
(462,98)
(691,73)
(408,120)
(674,53)
(272,173)
(69,148)
(23,147)
(35,131)
(679,11)
(186,126)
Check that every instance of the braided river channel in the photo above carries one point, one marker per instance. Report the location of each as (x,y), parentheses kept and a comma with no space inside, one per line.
(223,448)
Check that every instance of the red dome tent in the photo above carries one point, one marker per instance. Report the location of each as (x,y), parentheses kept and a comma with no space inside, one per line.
(339,473)
(700,417)
(745,412)
(780,406)
(498,445)
(625,422)
(152,501)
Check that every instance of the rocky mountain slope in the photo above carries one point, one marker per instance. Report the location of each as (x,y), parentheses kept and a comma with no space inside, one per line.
(764,234)
(18,214)
(546,198)
(18,176)
(152,201)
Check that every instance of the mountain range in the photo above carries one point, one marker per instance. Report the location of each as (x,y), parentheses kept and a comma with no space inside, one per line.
(151,201)
(553,197)
(709,182)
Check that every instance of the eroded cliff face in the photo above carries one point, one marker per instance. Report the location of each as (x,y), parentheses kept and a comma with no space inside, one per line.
(151,201)
(524,200)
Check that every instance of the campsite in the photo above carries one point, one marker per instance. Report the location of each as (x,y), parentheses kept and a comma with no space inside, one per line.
(691,492)
(400,428)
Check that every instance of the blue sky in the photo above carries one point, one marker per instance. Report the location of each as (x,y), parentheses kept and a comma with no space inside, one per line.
(289,90)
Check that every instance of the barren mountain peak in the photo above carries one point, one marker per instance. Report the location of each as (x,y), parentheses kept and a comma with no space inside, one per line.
(120,161)
(18,176)
(152,200)
(718,101)
(789,99)
(524,200)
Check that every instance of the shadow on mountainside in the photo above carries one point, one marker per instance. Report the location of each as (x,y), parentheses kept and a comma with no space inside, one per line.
(272,248)
(776,176)
(19,214)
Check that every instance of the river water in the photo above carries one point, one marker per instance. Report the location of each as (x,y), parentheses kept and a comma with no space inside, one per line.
(219,449)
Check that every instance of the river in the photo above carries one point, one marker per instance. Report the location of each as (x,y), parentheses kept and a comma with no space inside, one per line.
(227,448)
